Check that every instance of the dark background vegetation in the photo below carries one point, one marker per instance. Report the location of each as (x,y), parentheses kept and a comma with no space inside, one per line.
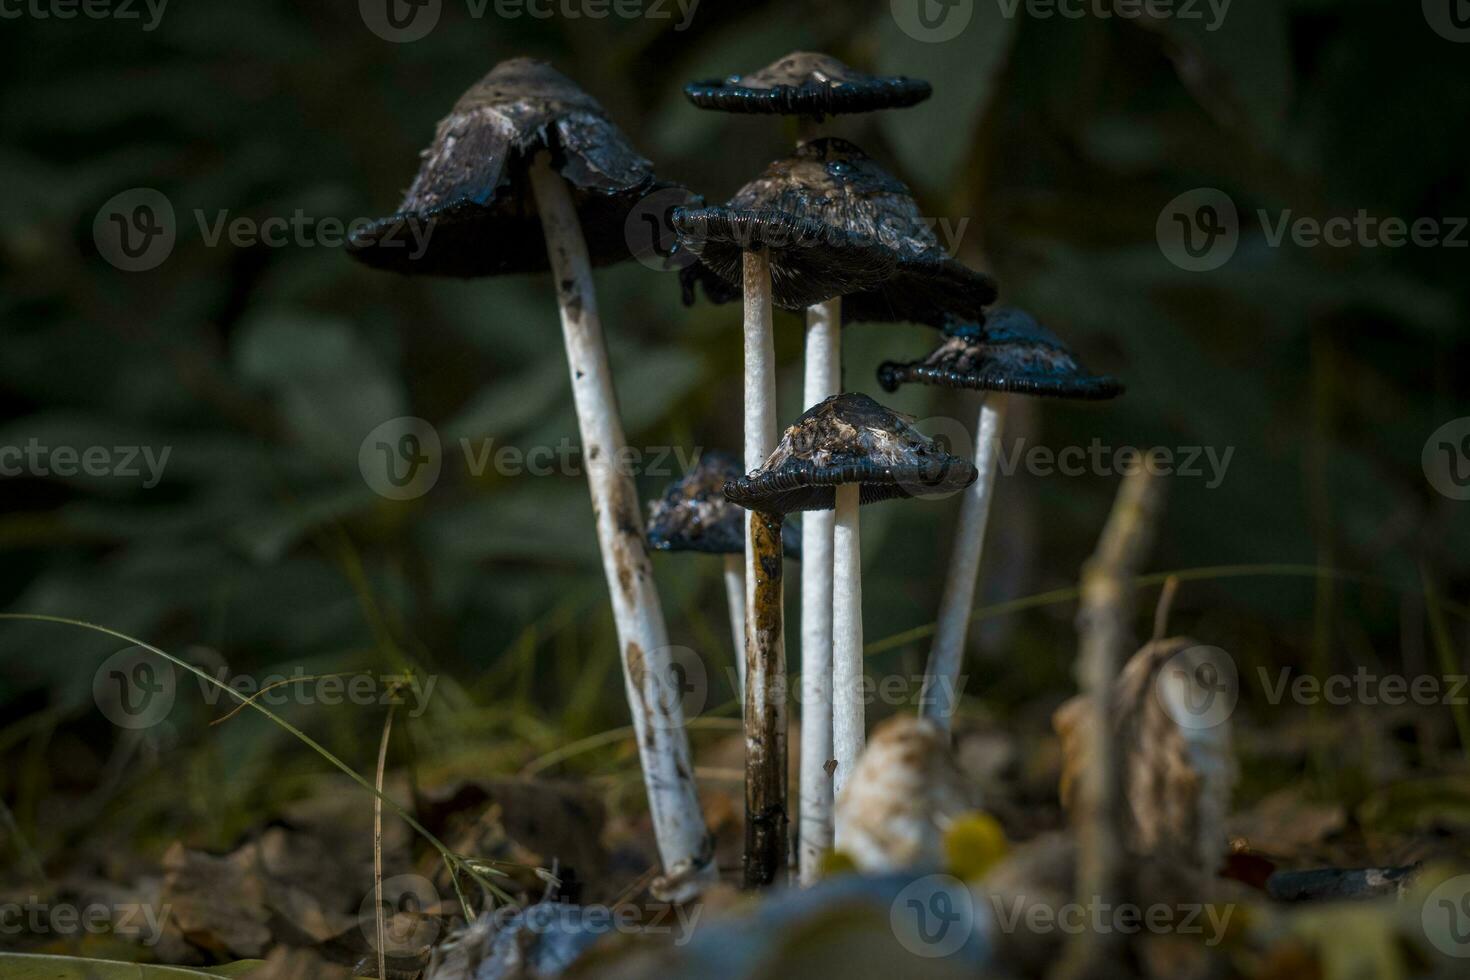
(1059,140)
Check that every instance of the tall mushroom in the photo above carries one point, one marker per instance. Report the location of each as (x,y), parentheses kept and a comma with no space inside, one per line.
(1010,354)
(847,451)
(837,225)
(526,155)
(693,515)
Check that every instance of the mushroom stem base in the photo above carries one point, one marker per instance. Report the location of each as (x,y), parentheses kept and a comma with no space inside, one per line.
(823,378)
(941,692)
(847,640)
(684,842)
(766,821)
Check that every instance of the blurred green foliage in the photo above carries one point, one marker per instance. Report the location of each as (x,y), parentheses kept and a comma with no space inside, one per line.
(1058,140)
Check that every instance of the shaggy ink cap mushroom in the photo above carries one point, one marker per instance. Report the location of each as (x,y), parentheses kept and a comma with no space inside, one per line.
(1010,352)
(470,210)
(836,224)
(805,83)
(693,514)
(849,439)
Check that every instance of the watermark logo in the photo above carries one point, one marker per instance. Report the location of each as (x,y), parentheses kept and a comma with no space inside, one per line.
(649,230)
(401,459)
(1449,18)
(1446,459)
(134,688)
(932,21)
(682,686)
(135,230)
(1446,917)
(400,21)
(408,904)
(933,916)
(1198,687)
(1199,230)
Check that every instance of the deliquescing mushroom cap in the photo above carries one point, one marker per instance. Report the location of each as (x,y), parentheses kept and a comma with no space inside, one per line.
(1010,352)
(693,514)
(471,202)
(847,439)
(805,83)
(836,224)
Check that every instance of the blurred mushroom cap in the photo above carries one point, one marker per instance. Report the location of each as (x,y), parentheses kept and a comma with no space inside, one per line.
(471,204)
(849,439)
(1010,352)
(836,224)
(805,83)
(693,514)
(902,798)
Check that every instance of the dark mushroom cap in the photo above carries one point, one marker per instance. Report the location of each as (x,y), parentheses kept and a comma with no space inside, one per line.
(849,438)
(1010,352)
(805,83)
(836,224)
(693,514)
(472,201)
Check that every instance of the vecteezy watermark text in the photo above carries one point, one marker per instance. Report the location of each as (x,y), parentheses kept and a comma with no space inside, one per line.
(1200,230)
(1212,12)
(143,463)
(125,10)
(405,21)
(402,458)
(138,921)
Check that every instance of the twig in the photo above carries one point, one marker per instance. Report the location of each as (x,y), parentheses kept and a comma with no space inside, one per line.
(1165,606)
(378,843)
(1104,626)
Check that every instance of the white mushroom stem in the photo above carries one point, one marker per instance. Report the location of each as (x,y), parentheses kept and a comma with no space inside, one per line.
(766,817)
(942,677)
(735,597)
(823,380)
(684,843)
(847,638)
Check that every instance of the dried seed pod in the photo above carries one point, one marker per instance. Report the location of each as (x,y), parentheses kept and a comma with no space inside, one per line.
(470,210)
(835,224)
(805,83)
(1009,352)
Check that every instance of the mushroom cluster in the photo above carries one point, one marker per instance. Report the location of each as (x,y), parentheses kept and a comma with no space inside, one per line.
(527,156)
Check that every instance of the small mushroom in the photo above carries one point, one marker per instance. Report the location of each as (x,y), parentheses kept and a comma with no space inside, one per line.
(848,451)
(805,83)
(693,515)
(1010,353)
(906,792)
(527,156)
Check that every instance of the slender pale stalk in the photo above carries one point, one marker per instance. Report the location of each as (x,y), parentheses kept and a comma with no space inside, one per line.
(1104,628)
(735,598)
(823,380)
(942,677)
(847,639)
(684,844)
(765,644)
